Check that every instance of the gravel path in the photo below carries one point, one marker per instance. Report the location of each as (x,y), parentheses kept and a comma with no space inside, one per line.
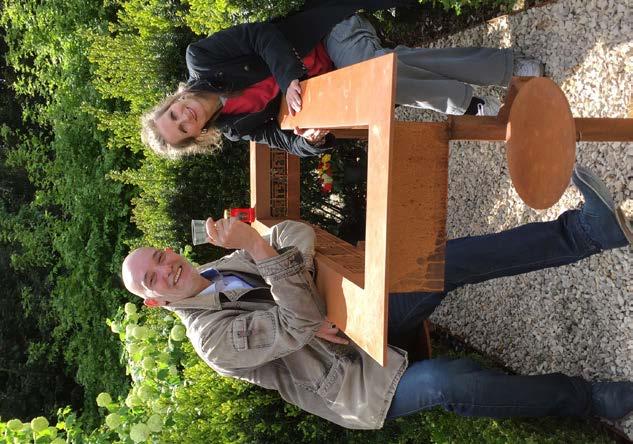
(576,319)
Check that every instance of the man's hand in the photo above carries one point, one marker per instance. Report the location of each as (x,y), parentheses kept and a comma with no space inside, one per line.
(328,332)
(293,97)
(313,136)
(233,233)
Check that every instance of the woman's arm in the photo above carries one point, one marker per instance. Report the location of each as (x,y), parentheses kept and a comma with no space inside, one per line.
(272,135)
(262,39)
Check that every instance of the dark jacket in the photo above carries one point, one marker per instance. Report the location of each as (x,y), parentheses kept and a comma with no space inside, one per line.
(236,58)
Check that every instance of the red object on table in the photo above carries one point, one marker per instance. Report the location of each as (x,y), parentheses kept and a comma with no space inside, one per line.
(246,215)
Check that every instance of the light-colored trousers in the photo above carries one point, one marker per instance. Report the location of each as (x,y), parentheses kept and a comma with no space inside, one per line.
(432,78)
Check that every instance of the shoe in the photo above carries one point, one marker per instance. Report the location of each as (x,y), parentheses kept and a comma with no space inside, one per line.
(490,107)
(611,400)
(606,225)
(526,67)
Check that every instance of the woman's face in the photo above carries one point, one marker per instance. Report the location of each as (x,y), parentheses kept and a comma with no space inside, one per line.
(186,117)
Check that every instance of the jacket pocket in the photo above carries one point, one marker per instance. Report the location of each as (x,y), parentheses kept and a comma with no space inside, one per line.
(255,331)
(331,385)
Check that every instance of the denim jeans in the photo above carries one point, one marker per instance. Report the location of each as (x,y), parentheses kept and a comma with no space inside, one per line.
(461,385)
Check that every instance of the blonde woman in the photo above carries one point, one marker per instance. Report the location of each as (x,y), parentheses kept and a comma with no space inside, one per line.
(237,77)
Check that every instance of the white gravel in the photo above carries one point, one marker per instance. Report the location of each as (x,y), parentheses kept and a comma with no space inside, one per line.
(576,319)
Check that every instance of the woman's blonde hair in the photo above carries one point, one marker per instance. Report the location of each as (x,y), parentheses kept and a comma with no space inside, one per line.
(207,142)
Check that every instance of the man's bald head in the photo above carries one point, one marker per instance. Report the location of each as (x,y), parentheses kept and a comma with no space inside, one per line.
(160,276)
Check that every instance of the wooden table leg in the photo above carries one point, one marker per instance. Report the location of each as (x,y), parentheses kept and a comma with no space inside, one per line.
(603,129)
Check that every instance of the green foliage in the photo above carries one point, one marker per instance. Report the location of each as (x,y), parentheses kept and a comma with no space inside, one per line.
(73,228)
(208,16)
(137,63)
(457,5)
(82,83)
(135,68)
(175,397)
(342,211)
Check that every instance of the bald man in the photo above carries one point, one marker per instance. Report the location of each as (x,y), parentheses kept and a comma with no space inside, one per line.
(256,315)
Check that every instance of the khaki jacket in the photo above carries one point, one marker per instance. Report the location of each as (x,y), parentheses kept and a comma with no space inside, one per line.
(274,345)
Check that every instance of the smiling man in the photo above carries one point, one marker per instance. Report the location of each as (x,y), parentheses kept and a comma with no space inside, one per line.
(161,275)
(256,315)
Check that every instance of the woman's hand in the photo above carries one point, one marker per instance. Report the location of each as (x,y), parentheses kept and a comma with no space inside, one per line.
(293,97)
(313,136)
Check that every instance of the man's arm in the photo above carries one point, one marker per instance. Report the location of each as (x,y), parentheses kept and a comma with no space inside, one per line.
(297,234)
(292,233)
(234,339)
(289,275)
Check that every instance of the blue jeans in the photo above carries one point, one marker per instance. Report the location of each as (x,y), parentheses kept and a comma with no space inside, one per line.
(461,385)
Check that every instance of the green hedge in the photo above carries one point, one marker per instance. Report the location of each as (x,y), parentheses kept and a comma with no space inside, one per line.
(176,398)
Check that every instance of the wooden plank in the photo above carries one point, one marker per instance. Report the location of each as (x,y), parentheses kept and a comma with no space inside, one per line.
(476,128)
(294,187)
(417,207)
(341,99)
(344,133)
(342,256)
(338,255)
(340,280)
(603,129)
(260,179)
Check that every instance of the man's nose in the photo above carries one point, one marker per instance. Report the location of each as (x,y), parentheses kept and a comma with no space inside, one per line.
(164,270)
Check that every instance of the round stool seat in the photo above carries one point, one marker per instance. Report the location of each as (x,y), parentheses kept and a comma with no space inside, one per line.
(541,143)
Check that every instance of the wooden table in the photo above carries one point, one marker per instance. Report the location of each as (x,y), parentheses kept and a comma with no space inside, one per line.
(407,182)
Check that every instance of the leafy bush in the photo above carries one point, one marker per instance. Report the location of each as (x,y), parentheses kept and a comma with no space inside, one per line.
(72,229)
(175,397)
(457,5)
(205,17)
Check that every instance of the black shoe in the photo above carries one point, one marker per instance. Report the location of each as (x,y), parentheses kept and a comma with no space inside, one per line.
(611,400)
(606,224)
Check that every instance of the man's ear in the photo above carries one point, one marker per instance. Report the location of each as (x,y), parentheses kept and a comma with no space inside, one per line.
(152,303)
(169,250)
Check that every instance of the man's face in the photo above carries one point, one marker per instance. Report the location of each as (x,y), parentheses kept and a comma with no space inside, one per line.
(161,276)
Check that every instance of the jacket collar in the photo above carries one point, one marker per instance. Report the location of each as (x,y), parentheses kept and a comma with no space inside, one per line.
(211,301)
